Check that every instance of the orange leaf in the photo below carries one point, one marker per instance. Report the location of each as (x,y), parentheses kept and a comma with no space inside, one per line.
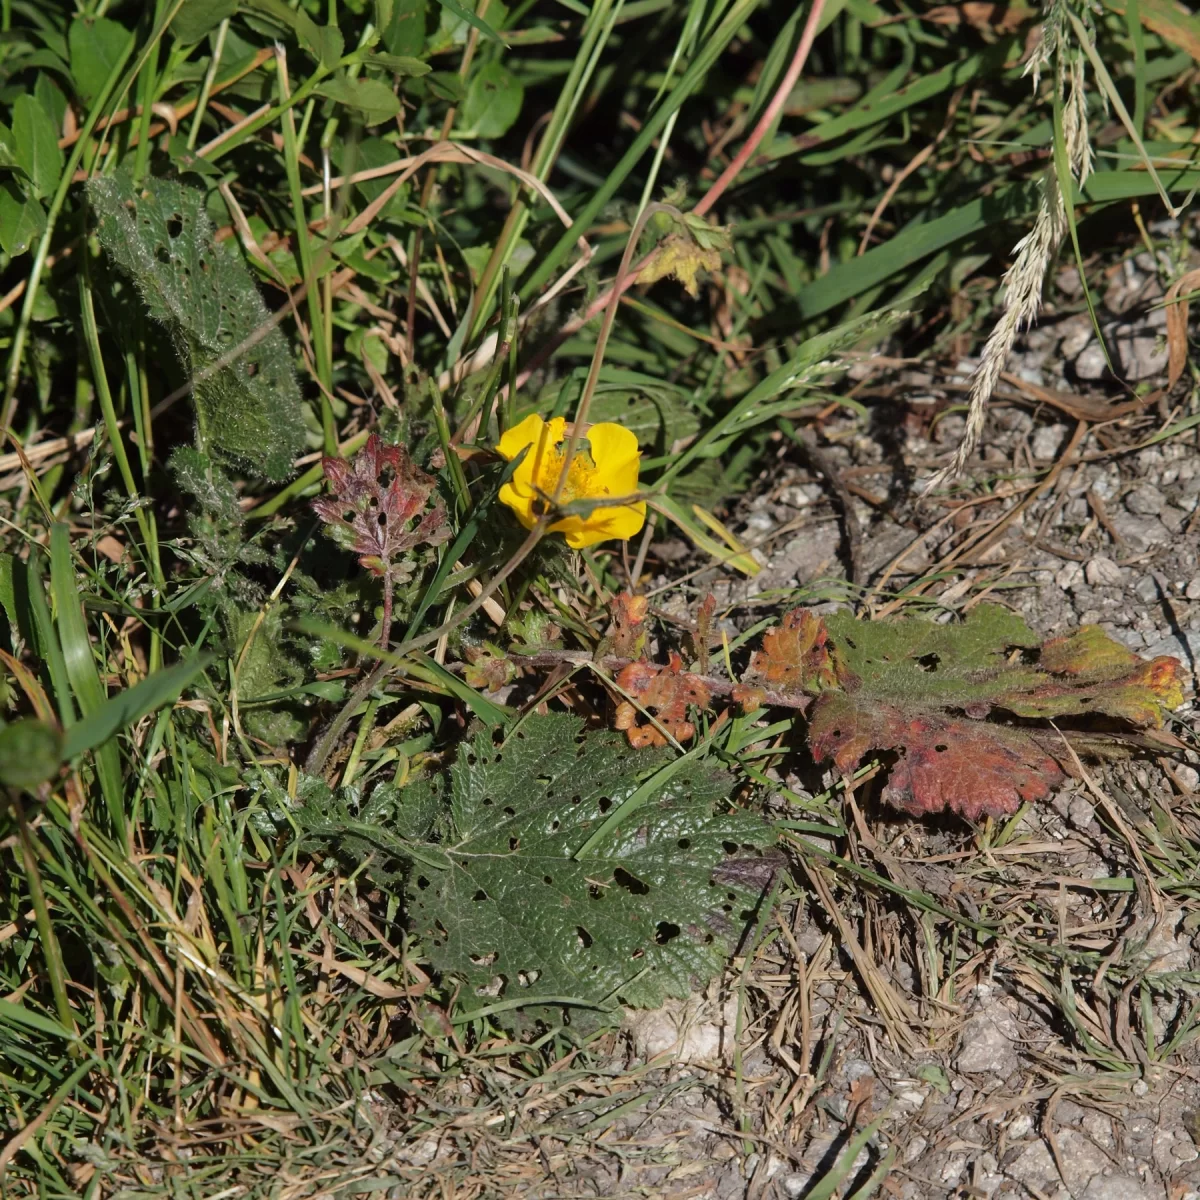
(797,656)
(666,692)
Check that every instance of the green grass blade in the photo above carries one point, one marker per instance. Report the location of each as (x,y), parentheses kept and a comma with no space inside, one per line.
(131,705)
(80,662)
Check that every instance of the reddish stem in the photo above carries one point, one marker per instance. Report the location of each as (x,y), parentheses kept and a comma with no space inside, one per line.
(771,112)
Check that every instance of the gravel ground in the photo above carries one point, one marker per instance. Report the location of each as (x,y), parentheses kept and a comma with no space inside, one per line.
(1057,1064)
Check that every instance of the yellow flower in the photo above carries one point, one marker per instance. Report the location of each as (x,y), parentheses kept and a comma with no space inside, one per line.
(605,463)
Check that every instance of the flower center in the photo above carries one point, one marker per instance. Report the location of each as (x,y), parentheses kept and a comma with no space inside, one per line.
(580,482)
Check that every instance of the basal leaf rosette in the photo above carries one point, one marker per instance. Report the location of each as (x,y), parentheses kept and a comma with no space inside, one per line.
(604,465)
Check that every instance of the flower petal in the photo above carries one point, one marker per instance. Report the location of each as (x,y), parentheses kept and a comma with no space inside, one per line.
(526,433)
(617,457)
(607,524)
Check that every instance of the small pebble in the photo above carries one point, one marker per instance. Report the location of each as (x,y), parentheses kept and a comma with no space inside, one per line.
(1103,572)
(1069,577)
(1020,1126)
(1146,501)
(1048,441)
(1091,363)
(1146,589)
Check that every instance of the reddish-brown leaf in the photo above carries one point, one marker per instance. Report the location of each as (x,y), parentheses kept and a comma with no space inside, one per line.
(968,767)
(797,656)
(627,637)
(378,506)
(666,692)
(926,691)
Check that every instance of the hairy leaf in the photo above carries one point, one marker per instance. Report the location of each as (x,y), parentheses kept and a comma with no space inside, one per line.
(248,404)
(379,507)
(506,908)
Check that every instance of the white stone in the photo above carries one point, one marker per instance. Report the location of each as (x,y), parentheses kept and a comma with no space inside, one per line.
(914,1150)
(1091,363)
(1101,571)
(1021,1126)
(689,1031)
(1048,441)
(1069,577)
(954,1169)
(988,1043)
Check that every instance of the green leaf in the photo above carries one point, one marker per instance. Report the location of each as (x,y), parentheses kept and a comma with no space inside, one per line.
(96,46)
(35,144)
(464,14)
(30,753)
(445,85)
(130,705)
(652,912)
(328,43)
(197,17)
(8,593)
(159,234)
(22,219)
(656,413)
(86,684)
(372,97)
(493,101)
(402,28)
(8,153)
(398,64)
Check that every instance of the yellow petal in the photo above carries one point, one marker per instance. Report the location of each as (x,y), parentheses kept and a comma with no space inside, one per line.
(617,458)
(609,524)
(612,443)
(527,433)
(521,502)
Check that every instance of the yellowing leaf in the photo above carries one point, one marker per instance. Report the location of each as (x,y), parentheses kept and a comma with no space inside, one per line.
(680,256)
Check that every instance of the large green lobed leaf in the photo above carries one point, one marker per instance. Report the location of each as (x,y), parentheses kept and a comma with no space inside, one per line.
(502,904)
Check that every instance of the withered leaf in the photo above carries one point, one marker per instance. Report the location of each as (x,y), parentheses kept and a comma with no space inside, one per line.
(796,656)
(627,637)
(970,767)
(665,691)
(924,690)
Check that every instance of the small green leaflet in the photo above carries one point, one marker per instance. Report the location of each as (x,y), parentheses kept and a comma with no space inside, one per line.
(35,144)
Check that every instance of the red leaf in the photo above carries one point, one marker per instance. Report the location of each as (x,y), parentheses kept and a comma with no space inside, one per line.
(379,505)
(967,766)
